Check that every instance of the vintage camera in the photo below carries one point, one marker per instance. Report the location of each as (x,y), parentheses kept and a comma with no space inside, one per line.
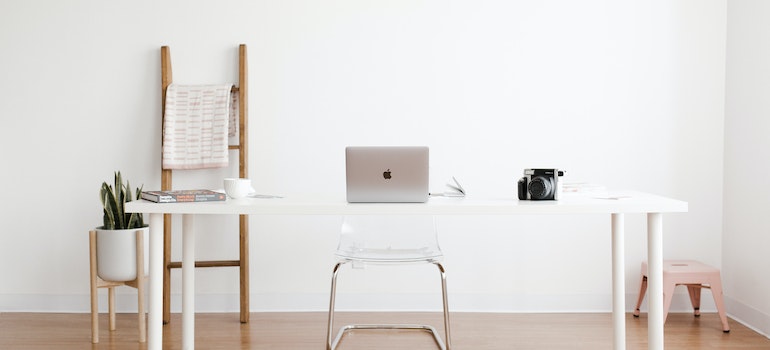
(540,184)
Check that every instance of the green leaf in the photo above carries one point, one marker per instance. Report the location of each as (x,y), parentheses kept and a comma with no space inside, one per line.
(120,198)
(109,213)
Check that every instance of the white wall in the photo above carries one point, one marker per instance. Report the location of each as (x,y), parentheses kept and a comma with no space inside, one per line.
(625,94)
(747,147)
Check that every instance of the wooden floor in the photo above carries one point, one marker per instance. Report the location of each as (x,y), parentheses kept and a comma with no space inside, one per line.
(300,331)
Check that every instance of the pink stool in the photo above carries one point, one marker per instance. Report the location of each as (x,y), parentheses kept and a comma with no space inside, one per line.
(694,275)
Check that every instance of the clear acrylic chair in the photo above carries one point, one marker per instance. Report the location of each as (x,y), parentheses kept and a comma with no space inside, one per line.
(388,240)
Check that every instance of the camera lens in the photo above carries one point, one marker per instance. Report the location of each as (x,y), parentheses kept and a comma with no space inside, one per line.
(540,187)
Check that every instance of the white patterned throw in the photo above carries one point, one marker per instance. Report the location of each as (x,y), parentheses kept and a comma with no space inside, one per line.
(195,126)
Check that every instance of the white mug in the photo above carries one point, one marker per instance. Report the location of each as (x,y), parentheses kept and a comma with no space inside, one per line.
(238,188)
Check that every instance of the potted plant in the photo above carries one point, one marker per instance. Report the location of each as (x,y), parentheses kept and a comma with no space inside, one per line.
(116,239)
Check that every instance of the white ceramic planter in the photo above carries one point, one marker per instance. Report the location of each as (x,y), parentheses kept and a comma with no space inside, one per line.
(116,254)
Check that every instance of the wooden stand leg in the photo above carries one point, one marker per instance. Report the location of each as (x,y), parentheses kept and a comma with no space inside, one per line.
(111,302)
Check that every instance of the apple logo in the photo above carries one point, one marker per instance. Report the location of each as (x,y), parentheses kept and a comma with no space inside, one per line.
(386,174)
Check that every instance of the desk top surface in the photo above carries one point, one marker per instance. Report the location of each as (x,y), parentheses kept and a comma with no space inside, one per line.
(618,202)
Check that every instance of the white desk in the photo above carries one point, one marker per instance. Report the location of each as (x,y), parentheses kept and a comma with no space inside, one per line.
(651,205)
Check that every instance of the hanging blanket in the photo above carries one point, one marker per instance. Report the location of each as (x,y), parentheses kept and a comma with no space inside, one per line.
(195,127)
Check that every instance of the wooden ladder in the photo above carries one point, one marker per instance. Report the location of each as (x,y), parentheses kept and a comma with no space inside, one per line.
(243,171)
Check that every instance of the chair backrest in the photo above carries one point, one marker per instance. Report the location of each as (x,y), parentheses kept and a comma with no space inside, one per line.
(389,238)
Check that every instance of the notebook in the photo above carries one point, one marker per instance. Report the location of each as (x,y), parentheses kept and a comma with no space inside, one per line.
(386,174)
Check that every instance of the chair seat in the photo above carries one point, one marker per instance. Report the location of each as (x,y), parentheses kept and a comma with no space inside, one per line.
(389,255)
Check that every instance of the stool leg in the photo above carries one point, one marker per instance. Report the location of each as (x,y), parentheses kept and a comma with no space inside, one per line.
(642,292)
(694,290)
(716,291)
(668,296)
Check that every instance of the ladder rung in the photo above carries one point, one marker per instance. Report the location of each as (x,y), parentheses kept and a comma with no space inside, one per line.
(217,263)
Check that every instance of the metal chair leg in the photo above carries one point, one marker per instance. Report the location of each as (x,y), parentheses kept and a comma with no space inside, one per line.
(446,304)
(331,344)
(330,324)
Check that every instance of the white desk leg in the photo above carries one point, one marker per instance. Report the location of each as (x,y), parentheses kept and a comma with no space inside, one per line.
(655,280)
(188,282)
(618,283)
(155,322)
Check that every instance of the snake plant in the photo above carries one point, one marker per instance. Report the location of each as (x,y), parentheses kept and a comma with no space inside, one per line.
(114,197)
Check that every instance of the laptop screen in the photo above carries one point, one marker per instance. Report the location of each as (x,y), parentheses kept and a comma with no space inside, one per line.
(377,174)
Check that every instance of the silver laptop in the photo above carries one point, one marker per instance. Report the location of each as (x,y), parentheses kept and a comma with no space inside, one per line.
(386,174)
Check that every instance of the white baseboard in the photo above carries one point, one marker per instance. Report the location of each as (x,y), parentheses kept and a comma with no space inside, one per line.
(126,302)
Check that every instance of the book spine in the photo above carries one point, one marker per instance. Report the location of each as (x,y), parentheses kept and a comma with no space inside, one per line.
(211,197)
(158,198)
(166,199)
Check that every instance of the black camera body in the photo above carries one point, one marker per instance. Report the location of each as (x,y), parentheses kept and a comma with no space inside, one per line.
(540,184)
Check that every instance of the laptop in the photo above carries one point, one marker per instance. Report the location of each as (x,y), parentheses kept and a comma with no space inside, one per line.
(386,174)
